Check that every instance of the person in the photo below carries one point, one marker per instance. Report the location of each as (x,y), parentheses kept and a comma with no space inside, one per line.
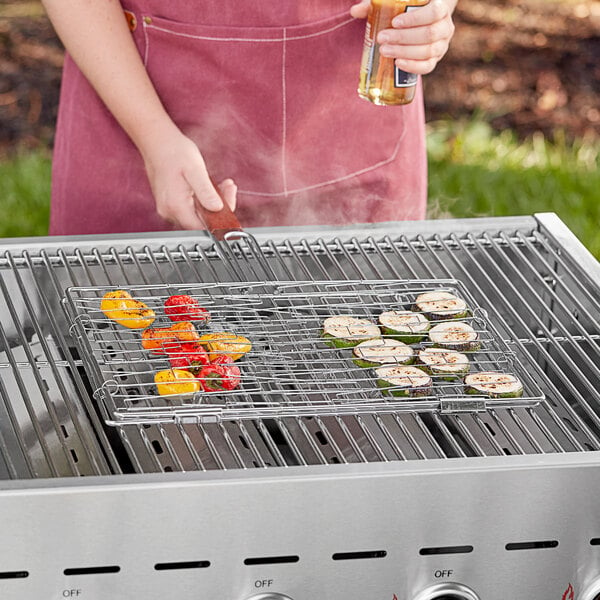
(259,97)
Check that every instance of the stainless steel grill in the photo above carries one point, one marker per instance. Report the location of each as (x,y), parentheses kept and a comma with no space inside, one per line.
(396,504)
(518,270)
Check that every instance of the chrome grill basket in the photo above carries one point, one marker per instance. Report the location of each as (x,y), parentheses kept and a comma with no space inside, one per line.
(290,371)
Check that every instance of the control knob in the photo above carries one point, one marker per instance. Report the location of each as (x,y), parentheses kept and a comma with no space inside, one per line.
(447,591)
(593,592)
(270,596)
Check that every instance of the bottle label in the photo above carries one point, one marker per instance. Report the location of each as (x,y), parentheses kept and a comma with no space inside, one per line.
(403,79)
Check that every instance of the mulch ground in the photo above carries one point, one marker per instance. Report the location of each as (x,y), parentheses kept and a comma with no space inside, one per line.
(531,65)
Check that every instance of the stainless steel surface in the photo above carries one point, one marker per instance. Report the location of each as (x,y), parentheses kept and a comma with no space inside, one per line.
(447,591)
(504,503)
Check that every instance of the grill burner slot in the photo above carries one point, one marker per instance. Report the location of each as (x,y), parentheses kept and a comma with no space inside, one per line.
(359,555)
(541,545)
(14,574)
(174,566)
(92,570)
(271,560)
(435,551)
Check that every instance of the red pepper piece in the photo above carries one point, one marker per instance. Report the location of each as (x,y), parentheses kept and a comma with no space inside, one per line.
(188,356)
(222,359)
(219,377)
(185,308)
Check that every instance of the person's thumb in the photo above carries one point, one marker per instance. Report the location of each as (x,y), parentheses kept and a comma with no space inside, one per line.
(360,10)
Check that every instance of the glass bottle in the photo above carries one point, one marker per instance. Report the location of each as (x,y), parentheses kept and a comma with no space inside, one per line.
(381,82)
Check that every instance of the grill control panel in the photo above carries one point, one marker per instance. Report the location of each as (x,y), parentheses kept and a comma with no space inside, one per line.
(345,533)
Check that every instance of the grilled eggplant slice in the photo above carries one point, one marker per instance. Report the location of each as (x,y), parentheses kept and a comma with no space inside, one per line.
(447,364)
(404,325)
(374,353)
(455,335)
(405,382)
(493,384)
(438,306)
(347,332)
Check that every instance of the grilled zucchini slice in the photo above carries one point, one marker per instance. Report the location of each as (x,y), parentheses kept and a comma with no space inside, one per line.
(455,335)
(447,364)
(438,306)
(404,382)
(347,332)
(493,384)
(374,353)
(404,325)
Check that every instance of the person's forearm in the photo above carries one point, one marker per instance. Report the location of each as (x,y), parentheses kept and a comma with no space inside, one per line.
(96,35)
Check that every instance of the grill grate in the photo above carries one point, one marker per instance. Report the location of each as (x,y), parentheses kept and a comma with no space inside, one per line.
(290,371)
(532,290)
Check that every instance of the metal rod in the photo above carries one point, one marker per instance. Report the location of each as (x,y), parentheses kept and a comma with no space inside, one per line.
(50,271)
(517,316)
(88,442)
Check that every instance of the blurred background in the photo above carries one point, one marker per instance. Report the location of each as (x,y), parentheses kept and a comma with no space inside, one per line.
(513,114)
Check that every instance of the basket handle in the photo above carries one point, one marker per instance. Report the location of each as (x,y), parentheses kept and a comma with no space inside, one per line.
(220,223)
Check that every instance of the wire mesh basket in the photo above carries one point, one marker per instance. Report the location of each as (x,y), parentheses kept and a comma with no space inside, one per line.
(292,369)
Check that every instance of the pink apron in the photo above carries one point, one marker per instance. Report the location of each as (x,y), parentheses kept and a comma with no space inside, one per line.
(267,90)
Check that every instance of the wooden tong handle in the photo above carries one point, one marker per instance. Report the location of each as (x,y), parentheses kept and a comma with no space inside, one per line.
(221,222)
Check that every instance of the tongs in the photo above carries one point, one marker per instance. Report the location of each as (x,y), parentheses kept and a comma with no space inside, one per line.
(223,226)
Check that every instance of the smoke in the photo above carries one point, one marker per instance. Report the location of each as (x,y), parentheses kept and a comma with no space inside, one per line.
(255,161)
(308,179)
(440,208)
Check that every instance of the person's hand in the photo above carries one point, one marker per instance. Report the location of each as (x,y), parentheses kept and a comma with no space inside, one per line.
(179,179)
(419,38)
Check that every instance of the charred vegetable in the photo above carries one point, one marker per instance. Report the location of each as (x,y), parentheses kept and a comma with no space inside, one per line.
(162,340)
(347,332)
(374,353)
(455,335)
(404,381)
(185,308)
(176,381)
(437,306)
(447,364)
(119,306)
(222,375)
(494,385)
(190,356)
(404,325)
(224,342)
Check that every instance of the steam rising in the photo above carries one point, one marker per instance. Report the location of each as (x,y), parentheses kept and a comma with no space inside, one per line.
(261,176)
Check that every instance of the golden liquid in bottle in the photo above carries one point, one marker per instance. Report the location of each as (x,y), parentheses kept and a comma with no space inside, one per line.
(381,82)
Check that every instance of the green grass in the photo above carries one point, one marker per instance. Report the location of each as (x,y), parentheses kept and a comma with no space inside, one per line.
(473,172)
(25,195)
